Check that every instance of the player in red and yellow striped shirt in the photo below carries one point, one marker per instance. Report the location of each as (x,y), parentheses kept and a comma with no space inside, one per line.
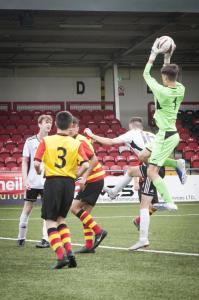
(60,154)
(91,186)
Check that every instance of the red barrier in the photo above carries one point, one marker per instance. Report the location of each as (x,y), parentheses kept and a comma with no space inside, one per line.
(11,183)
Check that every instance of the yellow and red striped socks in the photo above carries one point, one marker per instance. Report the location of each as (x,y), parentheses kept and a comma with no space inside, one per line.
(65,237)
(88,221)
(88,236)
(56,243)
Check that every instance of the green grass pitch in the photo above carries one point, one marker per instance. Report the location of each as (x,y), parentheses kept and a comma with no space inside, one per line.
(111,273)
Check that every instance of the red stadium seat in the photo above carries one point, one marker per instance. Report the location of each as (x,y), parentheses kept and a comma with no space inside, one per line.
(15,169)
(181,146)
(115,126)
(10,145)
(11,126)
(125,167)
(111,135)
(86,118)
(106,169)
(96,146)
(116,170)
(133,160)
(184,136)
(17,138)
(21,127)
(20,145)
(4,153)
(98,117)
(2,162)
(4,169)
(122,130)
(16,153)
(125,152)
(92,125)
(15,117)
(188,152)
(101,152)
(108,160)
(113,151)
(195,161)
(103,126)
(4,137)
(11,162)
(183,130)
(19,161)
(120,160)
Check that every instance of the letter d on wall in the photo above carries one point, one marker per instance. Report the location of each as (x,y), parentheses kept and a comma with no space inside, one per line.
(80,87)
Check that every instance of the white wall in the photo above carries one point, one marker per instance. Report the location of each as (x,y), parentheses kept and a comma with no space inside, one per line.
(59,84)
(49,84)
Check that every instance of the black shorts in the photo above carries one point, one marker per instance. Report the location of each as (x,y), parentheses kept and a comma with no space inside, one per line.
(148,187)
(32,194)
(58,197)
(91,192)
(155,196)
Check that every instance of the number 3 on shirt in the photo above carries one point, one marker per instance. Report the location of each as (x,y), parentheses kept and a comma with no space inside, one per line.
(61,155)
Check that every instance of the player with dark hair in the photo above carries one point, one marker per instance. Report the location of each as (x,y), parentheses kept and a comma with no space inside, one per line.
(33,183)
(168,98)
(60,154)
(91,186)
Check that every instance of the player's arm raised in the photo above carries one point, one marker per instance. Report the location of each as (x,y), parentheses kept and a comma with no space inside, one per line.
(152,82)
(102,140)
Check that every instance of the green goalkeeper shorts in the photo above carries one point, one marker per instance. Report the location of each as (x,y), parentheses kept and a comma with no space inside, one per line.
(162,146)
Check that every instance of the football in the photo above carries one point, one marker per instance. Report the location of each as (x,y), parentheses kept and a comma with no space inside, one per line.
(165,43)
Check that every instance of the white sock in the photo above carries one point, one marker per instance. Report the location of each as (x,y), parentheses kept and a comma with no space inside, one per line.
(23,226)
(144,224)
(124,181)
(44,231)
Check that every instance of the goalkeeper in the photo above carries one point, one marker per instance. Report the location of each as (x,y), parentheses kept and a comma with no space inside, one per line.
(168,98)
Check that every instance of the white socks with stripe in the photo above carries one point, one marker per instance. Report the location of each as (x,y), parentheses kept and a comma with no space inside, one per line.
(44,231)
(23,226)
(144,224)
(124,181)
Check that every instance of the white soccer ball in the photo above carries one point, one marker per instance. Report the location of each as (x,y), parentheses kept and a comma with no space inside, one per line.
(165,43)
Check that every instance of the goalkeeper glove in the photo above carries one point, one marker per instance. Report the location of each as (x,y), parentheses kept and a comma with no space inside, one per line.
(155,50)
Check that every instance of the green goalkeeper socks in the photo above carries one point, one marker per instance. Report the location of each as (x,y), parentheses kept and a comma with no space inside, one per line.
(162,189)
(169,162)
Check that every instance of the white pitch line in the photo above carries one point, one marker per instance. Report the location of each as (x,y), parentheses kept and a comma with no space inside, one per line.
(99,205)
(110,217)
(120,248)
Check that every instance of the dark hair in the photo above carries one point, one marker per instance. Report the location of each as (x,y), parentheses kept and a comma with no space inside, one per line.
(171,70)
(75,120)
(136,119)
(63,120)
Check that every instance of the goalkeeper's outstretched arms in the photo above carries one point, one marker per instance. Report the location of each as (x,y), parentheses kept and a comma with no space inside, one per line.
(155,50)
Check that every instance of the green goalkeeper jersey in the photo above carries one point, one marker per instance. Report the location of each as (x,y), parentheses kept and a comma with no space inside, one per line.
(167,101)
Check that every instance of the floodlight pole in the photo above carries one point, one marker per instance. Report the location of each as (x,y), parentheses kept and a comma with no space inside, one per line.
(115,91)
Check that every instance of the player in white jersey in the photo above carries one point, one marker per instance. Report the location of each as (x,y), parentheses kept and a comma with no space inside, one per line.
(138,140)
(33,183)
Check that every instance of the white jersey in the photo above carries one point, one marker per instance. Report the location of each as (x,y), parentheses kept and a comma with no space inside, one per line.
(137,139)
(36,181)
